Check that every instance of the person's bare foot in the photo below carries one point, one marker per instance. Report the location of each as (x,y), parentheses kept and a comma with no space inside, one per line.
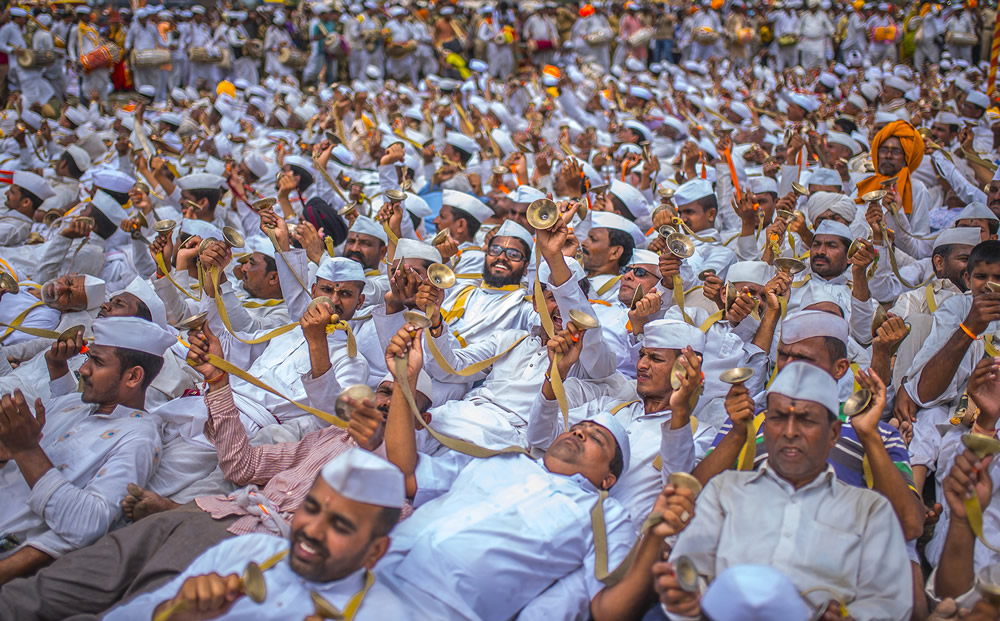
(141,502)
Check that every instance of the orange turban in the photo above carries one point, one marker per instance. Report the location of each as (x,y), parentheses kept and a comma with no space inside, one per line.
(587,10)
(913,148)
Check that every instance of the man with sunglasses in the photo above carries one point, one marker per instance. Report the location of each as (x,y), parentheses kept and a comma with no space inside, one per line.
(607,248)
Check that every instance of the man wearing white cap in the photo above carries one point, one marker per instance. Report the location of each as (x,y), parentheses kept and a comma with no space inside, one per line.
(199,35)
(787,26)
(854,545)
(25,194)
(606,249)
(67,482)
(474,311)
(80,41)
(959,30)
(461,215)
(66,186)
(199,196)
(591,35)
(163,542)
(357,492)
(697,206)
(883,42)
(143,35)
(656,416)
(497,505)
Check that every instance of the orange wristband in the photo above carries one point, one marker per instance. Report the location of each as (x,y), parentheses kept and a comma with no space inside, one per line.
(972,336)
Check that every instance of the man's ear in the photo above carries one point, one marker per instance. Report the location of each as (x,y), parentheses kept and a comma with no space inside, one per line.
(133,377)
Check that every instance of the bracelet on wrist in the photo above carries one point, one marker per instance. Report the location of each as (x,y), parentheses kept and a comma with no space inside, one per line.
(972,335)
(983,432)
(218,377)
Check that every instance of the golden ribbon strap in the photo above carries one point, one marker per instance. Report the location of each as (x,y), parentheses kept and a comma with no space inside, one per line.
(711,321)
(472,369)
(162,266)
(458,307)
(991,349)
(393,238)
(749,453)
(232,369)
(895,270)
(929,297)
(799,283)
(15,325)
(555,380)
(274,242)
(608,285)
(329,180)
(461,446)
(352,605)
(679,297)
(264,304)
(600,531)
(540,306)
(224,315)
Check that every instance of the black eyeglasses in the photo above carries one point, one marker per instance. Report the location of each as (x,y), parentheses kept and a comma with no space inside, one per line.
(638,272)
(495,250)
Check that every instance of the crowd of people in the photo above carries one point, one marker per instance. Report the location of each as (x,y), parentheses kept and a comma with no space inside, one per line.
(514,310)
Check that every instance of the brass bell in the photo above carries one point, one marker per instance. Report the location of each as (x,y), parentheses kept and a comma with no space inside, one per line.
(542,214)
(800,189)
(680,245)
(358,392)
(164,226)
(687,575)
(857,403)
(441,276)
(417,320)
(394,196)
(69,334)
(874,196)
(789,265)
(194,322)
(8,284)
(685,480)
(232,237)
(736,376)
(981,445)
(263,204)
(582,320)
(440,238)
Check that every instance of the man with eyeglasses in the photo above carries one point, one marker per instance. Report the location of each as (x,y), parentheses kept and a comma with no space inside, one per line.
(606,249)
(473,312)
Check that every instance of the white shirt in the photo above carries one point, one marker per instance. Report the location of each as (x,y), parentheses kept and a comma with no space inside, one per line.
(288,594)
(94,458)
(488,310)
(824,534)
(14,227)
(489,535)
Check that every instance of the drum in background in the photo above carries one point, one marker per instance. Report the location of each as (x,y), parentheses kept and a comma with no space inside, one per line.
(101,58)
(32,59)
(149,59)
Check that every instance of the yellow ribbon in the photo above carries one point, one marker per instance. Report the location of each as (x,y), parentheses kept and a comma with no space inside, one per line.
(929,296)
(608,285)
(472,369)
(162,266)
(15,325)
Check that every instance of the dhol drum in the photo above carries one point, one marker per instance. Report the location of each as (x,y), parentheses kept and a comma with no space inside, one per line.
(201,55)
(101,58)
(787,40)
(960,39)
(292,57)
(744,35)
(400,50)
(254,48)
(34,59)
(705,35)
(641,37)
(149,59)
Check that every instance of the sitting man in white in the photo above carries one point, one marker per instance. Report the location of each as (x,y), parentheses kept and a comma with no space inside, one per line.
(794,515)
(65,468)
(337,535)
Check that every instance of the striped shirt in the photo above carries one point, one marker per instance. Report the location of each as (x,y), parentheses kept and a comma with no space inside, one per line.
(847,456)
(286,470)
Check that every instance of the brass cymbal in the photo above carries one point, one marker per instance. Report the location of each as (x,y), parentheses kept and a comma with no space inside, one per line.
(70,333)
(788,264)
(253,583)
(141,187)
(666,230)
(441,276)
(685,480)
(637,295)
(665,193)
(141,219)
(687,575)
(347,209)
(358,392)
(542,214)
(857,403)
(324,609)
(322,299)
(581,209)
(981,445)
(86,219)
(34,238)
(205,244)
(232,237)
(730,297)
(8,283)
(583,320)
(853,249)
(800,189)
(500,170)
(416,319)
(677,372)
(993,286)
(704,274)
(880,317)
(784,214)
(394,196)
(441,236)
(888,182)
(736,376)
(263,204)
(680,245)
(164,226)
(874,196)
(50,217)
(194,322)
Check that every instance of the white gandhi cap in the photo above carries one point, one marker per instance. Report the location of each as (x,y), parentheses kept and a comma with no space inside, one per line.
(673,334)
(609,422)
(753,593)
(340,269)
(95,289)
(468,204)
(807,324)
(367,226)
(807,382)
(959,235)
(364,477)
(132,333)
(413,249)
(512,229)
